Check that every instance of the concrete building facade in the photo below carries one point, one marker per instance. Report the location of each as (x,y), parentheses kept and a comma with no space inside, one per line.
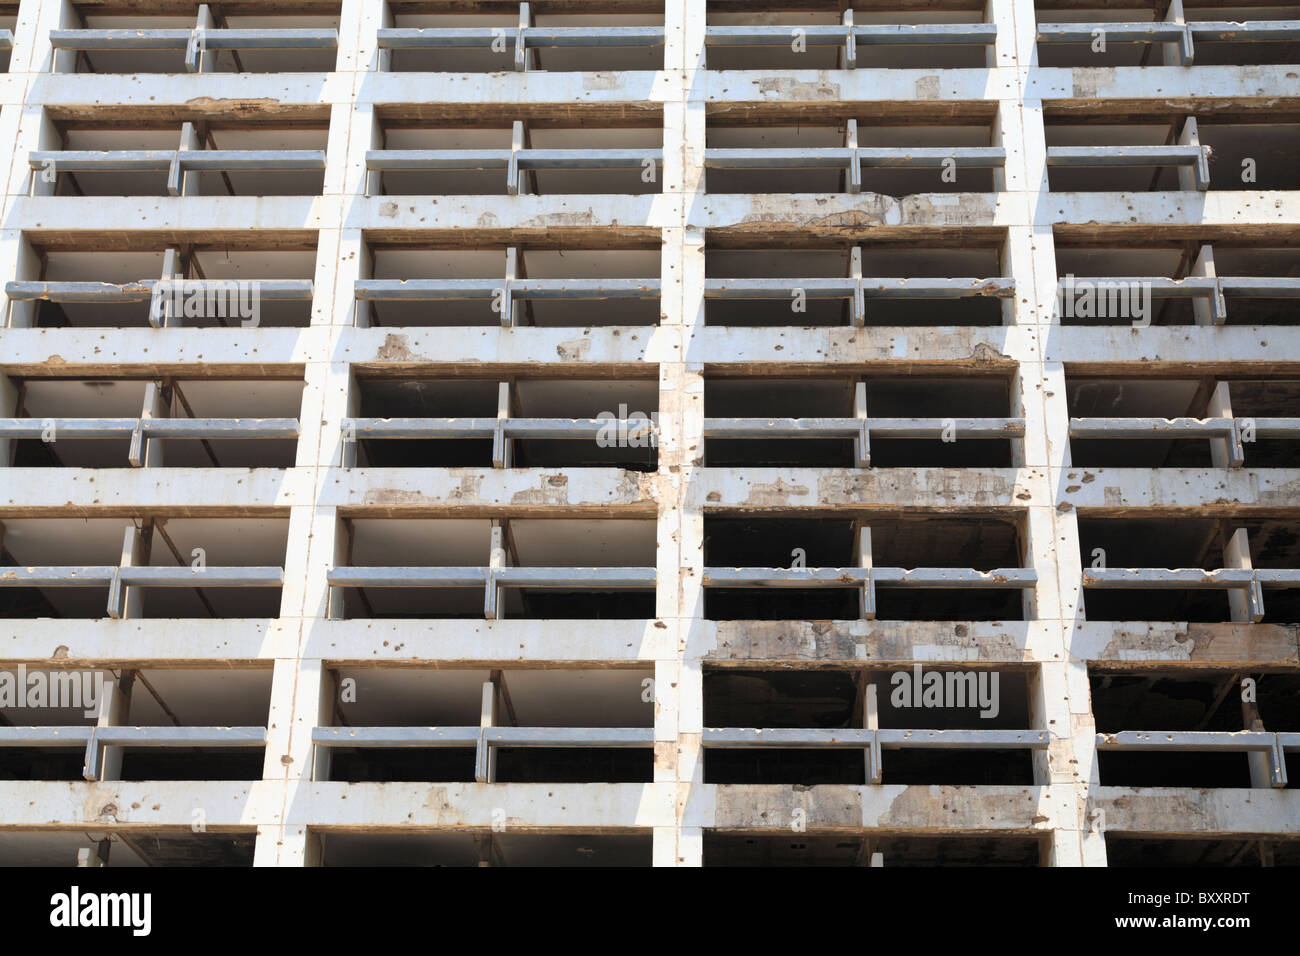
(624,432)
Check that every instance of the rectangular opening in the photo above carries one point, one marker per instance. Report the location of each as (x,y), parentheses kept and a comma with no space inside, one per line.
(607,400)
(825,138)
(723,848)
(50,400)
(617,45)
(293,52)
(472,158)
(248,291)
(298,144)
(981,543)
(134,848)
(825,699)
(216,543)
(1129,850)
(1230,47)
(1203,701)
(560,699)
(806,53)
(1112,284)
(615,284)
(813,399)
(467,848)
(789,302)
(1120,399)
(1185,542)
(159,698)
(529,543)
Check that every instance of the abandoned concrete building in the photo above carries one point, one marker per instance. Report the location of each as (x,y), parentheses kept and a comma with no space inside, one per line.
(650,432)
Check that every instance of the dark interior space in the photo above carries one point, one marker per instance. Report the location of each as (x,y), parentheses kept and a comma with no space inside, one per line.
(606,400)
(1172,702)
(834,398)
(427,848)
(44,763)
(206,763)
(723,848)
(976,259)
(1127,850)
(1178,398)
(915,541)
(826,698)
(1185,543)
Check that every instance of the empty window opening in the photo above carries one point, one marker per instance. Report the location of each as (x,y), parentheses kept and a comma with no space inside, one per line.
(208,287)
(981,544)
(548,160)
(135,848)
(1133,154)
(165,699)
(619,41)
(569,287)
(758,158)
(785,286)
(576,568)
(723,848)
(812,399)
(1164,283)
(1157,544)
(1264,850)
(244,556)
(1170,703)
(302,41)
(216,158)
(834,699)
(803,50)
(1214,41)
(462,848)
(610,420)
(271,407)
(563,705)
(1116,405)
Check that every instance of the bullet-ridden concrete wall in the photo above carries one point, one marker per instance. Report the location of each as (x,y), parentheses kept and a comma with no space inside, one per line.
(360,106)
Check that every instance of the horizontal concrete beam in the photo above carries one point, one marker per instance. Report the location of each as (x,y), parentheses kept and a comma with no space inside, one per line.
(1214,813)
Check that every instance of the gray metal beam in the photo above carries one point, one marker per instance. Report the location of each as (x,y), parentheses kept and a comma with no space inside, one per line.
(605,737)
(411,38)
(1019,578)
(850,427)
(57,577)
(424,737)
(45,736)
(159,39)
(835,157)
(969,34)
(194,428)
(297,290)
(421,428)
(1150,427)
(1168,578)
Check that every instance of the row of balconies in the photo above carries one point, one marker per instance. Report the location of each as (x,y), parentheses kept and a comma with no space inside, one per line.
(530,38)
